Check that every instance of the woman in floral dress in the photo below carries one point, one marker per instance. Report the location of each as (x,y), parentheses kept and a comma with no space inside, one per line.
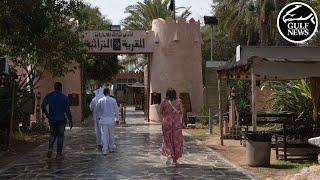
(172,141)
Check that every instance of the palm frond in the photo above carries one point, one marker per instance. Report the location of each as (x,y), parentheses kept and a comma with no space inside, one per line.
(143,13)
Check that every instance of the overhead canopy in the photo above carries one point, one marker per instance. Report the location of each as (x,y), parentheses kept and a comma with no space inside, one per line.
(273,63)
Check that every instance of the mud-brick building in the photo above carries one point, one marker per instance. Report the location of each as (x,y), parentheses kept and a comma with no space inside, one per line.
(72,86)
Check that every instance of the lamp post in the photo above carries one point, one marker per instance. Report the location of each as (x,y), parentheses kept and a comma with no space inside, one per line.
(172,8)
(115,28)
(211,20)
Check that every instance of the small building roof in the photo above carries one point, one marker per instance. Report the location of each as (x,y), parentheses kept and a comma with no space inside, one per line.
(136,85)
(215,64)
(273,62)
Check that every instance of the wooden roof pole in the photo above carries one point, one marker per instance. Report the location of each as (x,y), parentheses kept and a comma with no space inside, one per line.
(253,100)
(220,110)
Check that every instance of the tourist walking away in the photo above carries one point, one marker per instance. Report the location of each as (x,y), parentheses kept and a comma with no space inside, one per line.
(172,142)
(108,114)
(58,110)
(98,95)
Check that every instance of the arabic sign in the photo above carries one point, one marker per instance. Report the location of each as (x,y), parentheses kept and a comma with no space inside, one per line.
(119,42)
(297,22)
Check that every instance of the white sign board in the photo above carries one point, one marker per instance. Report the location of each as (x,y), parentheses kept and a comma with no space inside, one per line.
(238,53)
(119,42)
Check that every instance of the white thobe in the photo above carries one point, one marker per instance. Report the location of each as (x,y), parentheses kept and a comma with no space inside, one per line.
(108,113)
(93,104)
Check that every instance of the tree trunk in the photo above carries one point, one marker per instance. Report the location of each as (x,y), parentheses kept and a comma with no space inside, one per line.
(263,24)
(315,95)
(280,41)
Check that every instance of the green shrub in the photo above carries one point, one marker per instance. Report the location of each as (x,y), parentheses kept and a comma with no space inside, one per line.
(291,96)
(38,127)
(86,109)
(20,136)
(204,111)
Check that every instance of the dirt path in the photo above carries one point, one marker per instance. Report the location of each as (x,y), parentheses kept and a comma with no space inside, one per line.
(236,154)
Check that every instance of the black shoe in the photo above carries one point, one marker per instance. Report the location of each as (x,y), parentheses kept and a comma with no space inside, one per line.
(100,147)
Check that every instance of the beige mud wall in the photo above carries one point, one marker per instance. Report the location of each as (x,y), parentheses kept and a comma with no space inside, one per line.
(71,84)
(177,61)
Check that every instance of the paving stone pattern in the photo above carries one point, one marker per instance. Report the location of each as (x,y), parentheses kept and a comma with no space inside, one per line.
(137,157)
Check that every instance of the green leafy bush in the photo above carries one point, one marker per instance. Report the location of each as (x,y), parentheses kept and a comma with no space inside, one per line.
(39,127)
(86,109)
(242,92)
(292,96)
(203,111)
(20,136)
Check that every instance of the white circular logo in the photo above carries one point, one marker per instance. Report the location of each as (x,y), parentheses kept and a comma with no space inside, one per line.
(297,22)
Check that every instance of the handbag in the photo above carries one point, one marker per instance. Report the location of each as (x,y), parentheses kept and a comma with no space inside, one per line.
(181,116)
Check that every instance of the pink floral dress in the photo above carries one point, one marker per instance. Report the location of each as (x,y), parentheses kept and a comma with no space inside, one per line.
(172,140)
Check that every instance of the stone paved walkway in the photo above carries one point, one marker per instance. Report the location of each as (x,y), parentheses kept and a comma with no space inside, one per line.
(137,157)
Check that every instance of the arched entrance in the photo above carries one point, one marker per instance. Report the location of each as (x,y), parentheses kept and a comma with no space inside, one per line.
(123,42)
(173,51)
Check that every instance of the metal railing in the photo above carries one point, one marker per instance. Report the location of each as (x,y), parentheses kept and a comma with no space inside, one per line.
(210,120)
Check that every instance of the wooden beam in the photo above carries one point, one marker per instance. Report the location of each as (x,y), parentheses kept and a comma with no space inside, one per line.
(220,110)
(253,100)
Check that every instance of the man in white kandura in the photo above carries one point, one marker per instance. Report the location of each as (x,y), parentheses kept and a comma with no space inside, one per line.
(108,114)
(93,104)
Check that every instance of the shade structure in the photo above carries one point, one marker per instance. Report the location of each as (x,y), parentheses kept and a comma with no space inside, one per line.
(272,63)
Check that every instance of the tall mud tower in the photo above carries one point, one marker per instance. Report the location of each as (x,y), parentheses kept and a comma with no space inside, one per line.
(176,62)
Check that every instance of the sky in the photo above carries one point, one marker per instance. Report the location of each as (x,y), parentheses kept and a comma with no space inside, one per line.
(114,9)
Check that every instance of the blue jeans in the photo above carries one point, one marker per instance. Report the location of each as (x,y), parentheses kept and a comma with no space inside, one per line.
(57,132)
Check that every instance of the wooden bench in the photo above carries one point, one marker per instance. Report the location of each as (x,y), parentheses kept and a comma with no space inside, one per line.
(294,136)
(262,118)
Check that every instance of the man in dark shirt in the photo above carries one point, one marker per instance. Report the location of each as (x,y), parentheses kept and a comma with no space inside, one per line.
(58,109)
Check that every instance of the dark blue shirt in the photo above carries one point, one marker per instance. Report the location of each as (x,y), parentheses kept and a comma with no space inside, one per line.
(58,106)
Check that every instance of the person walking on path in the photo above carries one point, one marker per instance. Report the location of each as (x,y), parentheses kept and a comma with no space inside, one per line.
(98,95)
(172,142)
(58,109)
(108,114)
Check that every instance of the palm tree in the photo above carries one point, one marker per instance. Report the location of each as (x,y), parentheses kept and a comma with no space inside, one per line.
(267,18)
(133,62)
(249,22)
(280,41)
(143,13)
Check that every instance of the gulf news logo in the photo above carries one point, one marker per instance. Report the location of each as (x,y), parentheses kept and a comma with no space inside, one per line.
(297,22)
